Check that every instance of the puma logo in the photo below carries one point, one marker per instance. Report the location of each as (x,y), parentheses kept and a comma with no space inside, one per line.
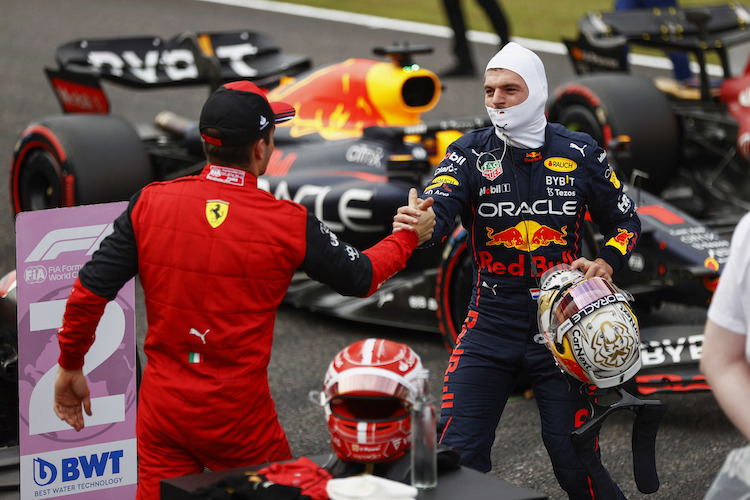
(202,336)
(579,148)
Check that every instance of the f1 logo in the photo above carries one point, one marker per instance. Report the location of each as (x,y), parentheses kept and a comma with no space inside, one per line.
(76,239)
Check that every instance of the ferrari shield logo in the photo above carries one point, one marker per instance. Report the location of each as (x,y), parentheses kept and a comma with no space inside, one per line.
(216,212)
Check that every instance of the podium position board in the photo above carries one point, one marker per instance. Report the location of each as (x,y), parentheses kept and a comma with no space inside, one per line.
(99,462)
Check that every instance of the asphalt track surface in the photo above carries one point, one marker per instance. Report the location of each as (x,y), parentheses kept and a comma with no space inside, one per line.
(694,437)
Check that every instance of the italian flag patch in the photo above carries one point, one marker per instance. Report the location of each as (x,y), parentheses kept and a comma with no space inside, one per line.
(194,357)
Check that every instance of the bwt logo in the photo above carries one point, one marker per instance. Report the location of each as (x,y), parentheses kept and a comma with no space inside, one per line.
(70,469)
(75,239)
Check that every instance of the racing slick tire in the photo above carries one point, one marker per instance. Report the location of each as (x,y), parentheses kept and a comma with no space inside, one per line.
(69,160)
(453,288)
(607,106)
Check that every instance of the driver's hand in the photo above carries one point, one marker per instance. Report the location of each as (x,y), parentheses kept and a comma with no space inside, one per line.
(417,215)
(591,269)
(71,392)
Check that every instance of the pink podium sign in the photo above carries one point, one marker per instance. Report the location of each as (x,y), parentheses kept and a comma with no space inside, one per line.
(100,461)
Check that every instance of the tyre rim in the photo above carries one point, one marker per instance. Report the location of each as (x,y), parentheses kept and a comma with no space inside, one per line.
(39,181)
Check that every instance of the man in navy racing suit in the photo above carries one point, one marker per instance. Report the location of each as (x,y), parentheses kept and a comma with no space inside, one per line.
(522,189)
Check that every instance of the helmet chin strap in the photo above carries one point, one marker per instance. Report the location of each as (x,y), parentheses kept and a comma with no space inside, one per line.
(648,415)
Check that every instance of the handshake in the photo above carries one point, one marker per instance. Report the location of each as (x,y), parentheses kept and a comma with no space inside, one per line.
(417,215)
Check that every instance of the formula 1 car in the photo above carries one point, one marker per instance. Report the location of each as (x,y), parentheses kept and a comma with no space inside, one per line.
(351,154)
(690,139)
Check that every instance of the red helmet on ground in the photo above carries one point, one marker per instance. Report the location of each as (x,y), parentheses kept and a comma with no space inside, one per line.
(368,393)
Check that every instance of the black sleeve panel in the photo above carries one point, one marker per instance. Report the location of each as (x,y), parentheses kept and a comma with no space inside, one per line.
(116,260)
(334,262)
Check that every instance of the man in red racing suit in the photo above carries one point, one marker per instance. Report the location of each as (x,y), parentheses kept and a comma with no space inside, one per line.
(215,256)
(522,189)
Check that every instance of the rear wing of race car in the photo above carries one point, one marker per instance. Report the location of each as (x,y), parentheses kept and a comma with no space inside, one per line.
(697,30)
(148,62)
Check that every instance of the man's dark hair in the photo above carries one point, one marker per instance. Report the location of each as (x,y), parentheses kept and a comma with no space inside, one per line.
(231,156)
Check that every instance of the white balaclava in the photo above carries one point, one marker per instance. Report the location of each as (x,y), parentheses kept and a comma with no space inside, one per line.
(521,125)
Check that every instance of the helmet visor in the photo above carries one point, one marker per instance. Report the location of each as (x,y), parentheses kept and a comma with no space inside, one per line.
(367,381)
(369,409)
(580,300)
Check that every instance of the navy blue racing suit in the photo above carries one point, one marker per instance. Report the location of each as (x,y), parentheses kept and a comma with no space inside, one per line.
(525,211)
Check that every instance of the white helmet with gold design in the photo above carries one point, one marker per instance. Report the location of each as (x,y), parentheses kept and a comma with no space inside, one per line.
(589,327)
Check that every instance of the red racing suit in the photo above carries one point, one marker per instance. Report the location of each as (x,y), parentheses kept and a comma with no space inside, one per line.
(215,256)
(525,211)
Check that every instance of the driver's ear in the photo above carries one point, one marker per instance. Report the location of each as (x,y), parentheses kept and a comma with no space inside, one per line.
(257,149)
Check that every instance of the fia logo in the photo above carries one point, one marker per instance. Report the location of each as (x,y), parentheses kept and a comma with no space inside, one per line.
(34,275)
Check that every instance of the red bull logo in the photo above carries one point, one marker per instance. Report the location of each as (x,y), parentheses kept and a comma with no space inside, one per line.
(536,266)
(533,156)
(527,236)
(622,241)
